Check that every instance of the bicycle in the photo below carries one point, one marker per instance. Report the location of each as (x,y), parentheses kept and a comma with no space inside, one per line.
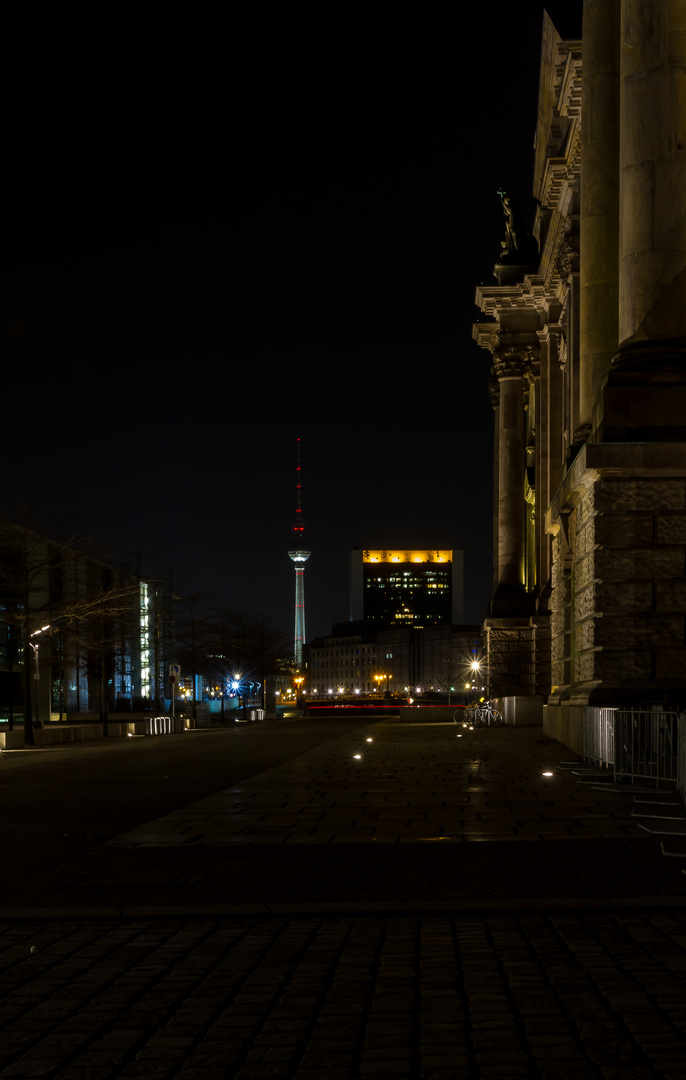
(465,715)
(479,716)
(489,716)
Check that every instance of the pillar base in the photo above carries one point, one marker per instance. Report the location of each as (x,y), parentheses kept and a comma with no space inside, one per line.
(512,603)
(522,711)
(643,398)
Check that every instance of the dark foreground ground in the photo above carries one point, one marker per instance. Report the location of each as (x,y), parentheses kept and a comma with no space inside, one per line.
(269,905)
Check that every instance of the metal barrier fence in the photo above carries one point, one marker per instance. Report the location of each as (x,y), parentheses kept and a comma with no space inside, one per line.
(681,758)
(164,725)
(599,739)
(646,746)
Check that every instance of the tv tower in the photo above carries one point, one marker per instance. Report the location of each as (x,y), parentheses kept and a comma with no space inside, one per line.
(299,554)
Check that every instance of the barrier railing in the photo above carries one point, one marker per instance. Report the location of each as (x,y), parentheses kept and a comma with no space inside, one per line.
(599,742)
(646,746)
(681,757)
(164,725)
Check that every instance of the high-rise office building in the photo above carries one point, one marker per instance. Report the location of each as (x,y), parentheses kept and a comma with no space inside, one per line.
(408,588)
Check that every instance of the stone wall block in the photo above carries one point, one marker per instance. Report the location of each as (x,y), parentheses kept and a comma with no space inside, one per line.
(639,564)
(585,602)
(585,540)
(671,529)
(639,631)
(606,598)
(585,572)
(613,666)
(585,668)
(557,600)
(629,495)
(557,647)
(628,596)
(670,664)
(671,596)
(624,530)
(581,514)
(586,635)
(557,570)
(557,675)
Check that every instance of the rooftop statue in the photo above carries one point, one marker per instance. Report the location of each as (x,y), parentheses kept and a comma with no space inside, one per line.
(519,247)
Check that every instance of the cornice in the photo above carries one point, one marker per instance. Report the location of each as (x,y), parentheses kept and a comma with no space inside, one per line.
(569,99)
(533,294)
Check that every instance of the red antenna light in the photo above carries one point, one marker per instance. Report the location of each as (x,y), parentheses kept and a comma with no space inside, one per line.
(297,525)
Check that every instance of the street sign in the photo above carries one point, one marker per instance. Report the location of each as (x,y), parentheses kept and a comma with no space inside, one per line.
(172,679)
(175,669)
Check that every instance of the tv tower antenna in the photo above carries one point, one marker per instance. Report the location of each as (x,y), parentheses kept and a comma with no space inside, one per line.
(299,553)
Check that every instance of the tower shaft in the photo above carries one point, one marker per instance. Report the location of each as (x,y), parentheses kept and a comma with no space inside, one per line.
(299,553)
(299,615)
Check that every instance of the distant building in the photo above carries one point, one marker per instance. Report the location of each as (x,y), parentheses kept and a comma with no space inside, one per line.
(397,588)
(435,659)
(347,663)
(95,634)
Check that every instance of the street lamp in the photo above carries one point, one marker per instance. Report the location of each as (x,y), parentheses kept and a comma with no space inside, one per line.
(378,679)
(35,645)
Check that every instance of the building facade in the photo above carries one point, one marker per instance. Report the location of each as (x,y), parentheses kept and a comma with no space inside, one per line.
(77,634)
(587,344)
(342,664)
(436,659)
(406,588)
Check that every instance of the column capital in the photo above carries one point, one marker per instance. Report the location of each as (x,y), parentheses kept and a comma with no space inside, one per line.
(516,361)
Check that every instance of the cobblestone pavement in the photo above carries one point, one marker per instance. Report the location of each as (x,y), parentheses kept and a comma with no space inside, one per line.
(566,996)
(428,813)
(402,782)
(307,924)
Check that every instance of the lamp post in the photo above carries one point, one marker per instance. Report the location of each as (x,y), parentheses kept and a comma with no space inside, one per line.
(378,679)
(475,669)
(35,645)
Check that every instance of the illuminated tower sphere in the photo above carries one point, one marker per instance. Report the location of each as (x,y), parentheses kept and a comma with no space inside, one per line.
(299,554)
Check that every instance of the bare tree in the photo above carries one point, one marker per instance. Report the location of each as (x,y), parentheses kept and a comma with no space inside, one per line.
(249,647)
(31,569)
(51,601)
(194,634)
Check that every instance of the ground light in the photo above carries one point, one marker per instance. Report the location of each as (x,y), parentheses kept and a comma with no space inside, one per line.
(357,755)
(370,740)
(548,774)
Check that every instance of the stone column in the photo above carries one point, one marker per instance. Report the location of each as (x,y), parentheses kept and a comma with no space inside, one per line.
(652,266)
(644,397)
(511,366)
(494,395)
(599,221)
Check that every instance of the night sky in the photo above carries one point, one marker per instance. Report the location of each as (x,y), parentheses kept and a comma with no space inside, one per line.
(234,225)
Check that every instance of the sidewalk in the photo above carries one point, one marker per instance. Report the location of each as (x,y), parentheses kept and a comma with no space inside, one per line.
(436,909)
(428,814)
